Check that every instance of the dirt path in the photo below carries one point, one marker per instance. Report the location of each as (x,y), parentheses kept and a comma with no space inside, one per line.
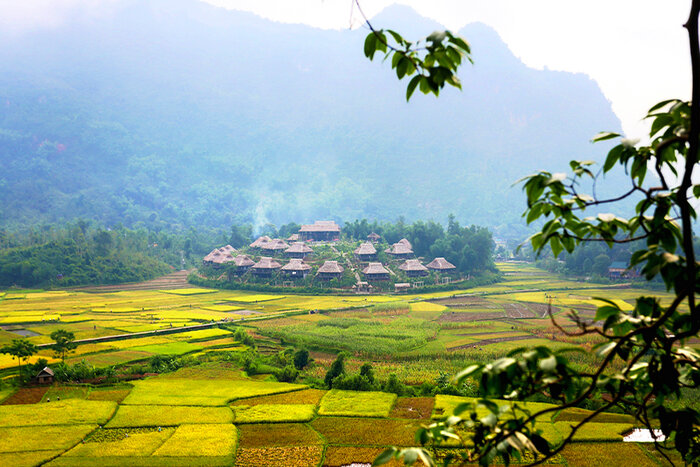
(175,280)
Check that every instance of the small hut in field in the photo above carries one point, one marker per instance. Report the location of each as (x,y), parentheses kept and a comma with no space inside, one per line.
(362,287)
(265,267)
(400,249)
(376,272)
(373,237)
(441,265)
(298,250)
(260,241)
(275,245)
(330,270)
(243,264)
(296,268)
(320,231)
(413,268)
(402,287)
(45,376)
(366,252)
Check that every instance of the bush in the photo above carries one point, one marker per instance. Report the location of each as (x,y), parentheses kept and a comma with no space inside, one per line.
(288,374)
(301,359)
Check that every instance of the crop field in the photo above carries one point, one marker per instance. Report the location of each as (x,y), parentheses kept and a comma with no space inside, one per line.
(215,414)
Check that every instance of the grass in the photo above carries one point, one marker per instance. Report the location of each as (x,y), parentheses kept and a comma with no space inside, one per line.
(191,291)
(71,411)
(108,394)
(27,459)
(445,405)
(172,348)
(158,415)
(267,413)
(595,431)
(200,441)
(606,454)
(28,438)
(274,435)
(138,444)
(172,391)
(360,404)
(366,431)
(66,392)
(413,407)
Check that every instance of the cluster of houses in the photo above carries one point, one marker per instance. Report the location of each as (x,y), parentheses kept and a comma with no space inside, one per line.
(296,249)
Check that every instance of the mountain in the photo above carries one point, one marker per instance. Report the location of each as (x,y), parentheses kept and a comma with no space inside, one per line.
(175,113)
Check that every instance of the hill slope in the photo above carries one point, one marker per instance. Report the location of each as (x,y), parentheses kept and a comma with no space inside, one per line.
(167,113)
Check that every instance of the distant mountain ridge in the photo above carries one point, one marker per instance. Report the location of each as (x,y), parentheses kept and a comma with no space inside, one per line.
(178,113)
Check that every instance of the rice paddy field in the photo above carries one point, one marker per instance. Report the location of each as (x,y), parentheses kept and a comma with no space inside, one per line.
(216,414)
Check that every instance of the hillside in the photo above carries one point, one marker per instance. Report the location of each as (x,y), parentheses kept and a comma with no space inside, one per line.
(168,114)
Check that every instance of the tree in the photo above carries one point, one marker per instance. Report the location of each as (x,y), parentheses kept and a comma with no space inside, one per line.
(337,368)
(21,349)
(64,343)
(645,363)
(301,359)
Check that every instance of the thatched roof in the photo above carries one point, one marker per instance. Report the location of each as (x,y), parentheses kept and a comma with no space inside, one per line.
(267,263)
(366,249)
(412,265)
(375,268)
(373,237)
(243,261)
(406,242)
(331,267)
(46,371)
(440,264)
(275,245)
(399,248)
(293,238)
(296,265)
(321,226)
(298,247)
(260,241)
(220,255)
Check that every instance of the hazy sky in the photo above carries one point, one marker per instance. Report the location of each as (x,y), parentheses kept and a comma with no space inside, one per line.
(635,49)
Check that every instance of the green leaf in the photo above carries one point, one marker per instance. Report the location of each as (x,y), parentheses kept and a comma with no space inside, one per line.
(604,135)
(370,45)
(412,86)
(385,456)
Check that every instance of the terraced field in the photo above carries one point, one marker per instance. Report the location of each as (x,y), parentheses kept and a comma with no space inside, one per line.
(215,414)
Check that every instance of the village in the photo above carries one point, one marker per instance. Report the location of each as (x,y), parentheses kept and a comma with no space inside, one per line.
(319,254)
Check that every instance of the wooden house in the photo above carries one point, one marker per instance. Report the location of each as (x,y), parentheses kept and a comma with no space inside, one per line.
(296,268)
(45,376)
(265,267)
(400,249)
(413,268)
(293,238)
(320,231)
(373,237)
(619,270)
(376,272)
(366,252)
(218,256)
(330,270)
(402,287)
(260,241)
(298,250)
(404,241)
(275,245)
(243,264)
(441,265)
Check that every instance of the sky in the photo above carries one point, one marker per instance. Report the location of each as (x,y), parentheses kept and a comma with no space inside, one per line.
(637,50)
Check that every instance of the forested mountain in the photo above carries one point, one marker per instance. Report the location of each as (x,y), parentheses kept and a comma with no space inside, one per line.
(170,113)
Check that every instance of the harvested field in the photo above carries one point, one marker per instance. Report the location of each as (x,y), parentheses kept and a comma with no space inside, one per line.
(274,435)
(485,342)
(337,456)
(367,432)
(518,310)
(305,396)
(26,396)
(413,408)
(472,301)
(297,456)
